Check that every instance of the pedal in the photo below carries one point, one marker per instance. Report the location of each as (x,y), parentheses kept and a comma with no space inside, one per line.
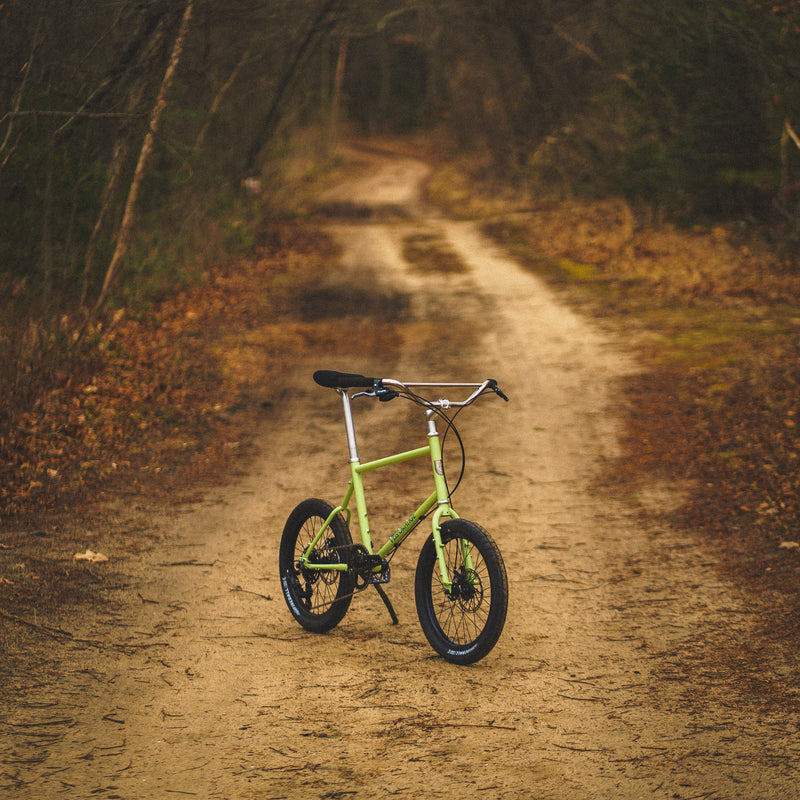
(384,576)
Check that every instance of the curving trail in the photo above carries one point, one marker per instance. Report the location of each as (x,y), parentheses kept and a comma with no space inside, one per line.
(595,689)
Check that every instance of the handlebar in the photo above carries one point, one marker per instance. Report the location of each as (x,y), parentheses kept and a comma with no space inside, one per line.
(388,388)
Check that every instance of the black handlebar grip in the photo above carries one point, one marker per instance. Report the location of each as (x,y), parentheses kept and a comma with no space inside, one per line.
(331,379)
(496,389)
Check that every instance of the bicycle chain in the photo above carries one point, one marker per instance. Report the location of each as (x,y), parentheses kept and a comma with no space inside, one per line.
(364,576)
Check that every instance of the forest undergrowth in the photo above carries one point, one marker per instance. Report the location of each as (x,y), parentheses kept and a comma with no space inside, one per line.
(151,388)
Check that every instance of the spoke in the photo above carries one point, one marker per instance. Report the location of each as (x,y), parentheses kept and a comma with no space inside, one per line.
(321,588)
(463,618)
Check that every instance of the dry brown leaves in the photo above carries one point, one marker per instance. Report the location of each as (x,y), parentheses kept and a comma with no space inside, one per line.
(170,388)
(715,321)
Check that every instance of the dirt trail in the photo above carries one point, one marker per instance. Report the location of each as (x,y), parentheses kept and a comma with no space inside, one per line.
(205,686)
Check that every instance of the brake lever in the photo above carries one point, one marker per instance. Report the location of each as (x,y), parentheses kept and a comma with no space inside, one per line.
(496,389)
(384,395)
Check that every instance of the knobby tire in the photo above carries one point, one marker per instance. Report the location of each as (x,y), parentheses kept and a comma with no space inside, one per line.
(318,599)
(464,625)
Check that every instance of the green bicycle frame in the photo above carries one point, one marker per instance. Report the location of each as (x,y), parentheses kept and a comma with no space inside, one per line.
(439,498)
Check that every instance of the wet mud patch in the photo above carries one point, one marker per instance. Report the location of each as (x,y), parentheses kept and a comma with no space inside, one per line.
(429,253)
(326,302)
(350,211)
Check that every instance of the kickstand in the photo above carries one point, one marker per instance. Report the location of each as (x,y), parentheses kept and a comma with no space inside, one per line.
(387,602)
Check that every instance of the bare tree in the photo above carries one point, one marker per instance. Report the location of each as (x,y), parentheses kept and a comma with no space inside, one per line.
(150,47)
(126,228)
(268,123)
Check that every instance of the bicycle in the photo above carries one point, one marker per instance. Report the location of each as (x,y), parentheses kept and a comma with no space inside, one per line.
(460,585)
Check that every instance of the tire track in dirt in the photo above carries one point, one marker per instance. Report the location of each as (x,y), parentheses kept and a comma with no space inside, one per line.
(206,687)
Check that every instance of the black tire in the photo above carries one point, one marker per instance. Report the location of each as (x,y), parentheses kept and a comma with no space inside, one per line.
(465,625)
(318,599)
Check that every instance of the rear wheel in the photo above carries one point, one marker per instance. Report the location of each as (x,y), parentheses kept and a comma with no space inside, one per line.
(318,599)
(463,623)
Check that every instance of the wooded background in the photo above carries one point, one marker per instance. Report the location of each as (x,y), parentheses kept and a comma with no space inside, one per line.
(127,127)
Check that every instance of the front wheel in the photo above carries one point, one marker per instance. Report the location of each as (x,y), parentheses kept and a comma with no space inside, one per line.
(463,623)
(319,598)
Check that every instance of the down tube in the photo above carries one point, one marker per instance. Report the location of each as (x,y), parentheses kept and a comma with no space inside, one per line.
(399,536)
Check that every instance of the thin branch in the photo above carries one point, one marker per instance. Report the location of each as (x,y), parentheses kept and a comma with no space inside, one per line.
(120,156)
(20,93)
(212,112)
(71,114)
(579,46)
(270,119)
(792,133)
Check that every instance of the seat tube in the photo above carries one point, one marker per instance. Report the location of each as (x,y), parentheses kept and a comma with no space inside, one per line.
(349,427)
(355,476)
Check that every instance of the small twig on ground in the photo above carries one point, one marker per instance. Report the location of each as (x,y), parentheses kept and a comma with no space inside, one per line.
(248,591)
(582,749)
(585,699)
(60,636)
(70,721)
(54,633)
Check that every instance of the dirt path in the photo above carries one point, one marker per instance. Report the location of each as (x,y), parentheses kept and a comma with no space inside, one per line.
(602,685)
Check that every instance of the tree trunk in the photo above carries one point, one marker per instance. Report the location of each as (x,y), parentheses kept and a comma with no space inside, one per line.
(336,100)
(121,148)
(126,228)
(47,234)
(268,124)
(212,112)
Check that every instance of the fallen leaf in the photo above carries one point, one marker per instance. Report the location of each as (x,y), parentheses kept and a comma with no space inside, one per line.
(90,555)
(789,545)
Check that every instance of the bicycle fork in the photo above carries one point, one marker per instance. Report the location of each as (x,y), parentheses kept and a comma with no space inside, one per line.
(442,505)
